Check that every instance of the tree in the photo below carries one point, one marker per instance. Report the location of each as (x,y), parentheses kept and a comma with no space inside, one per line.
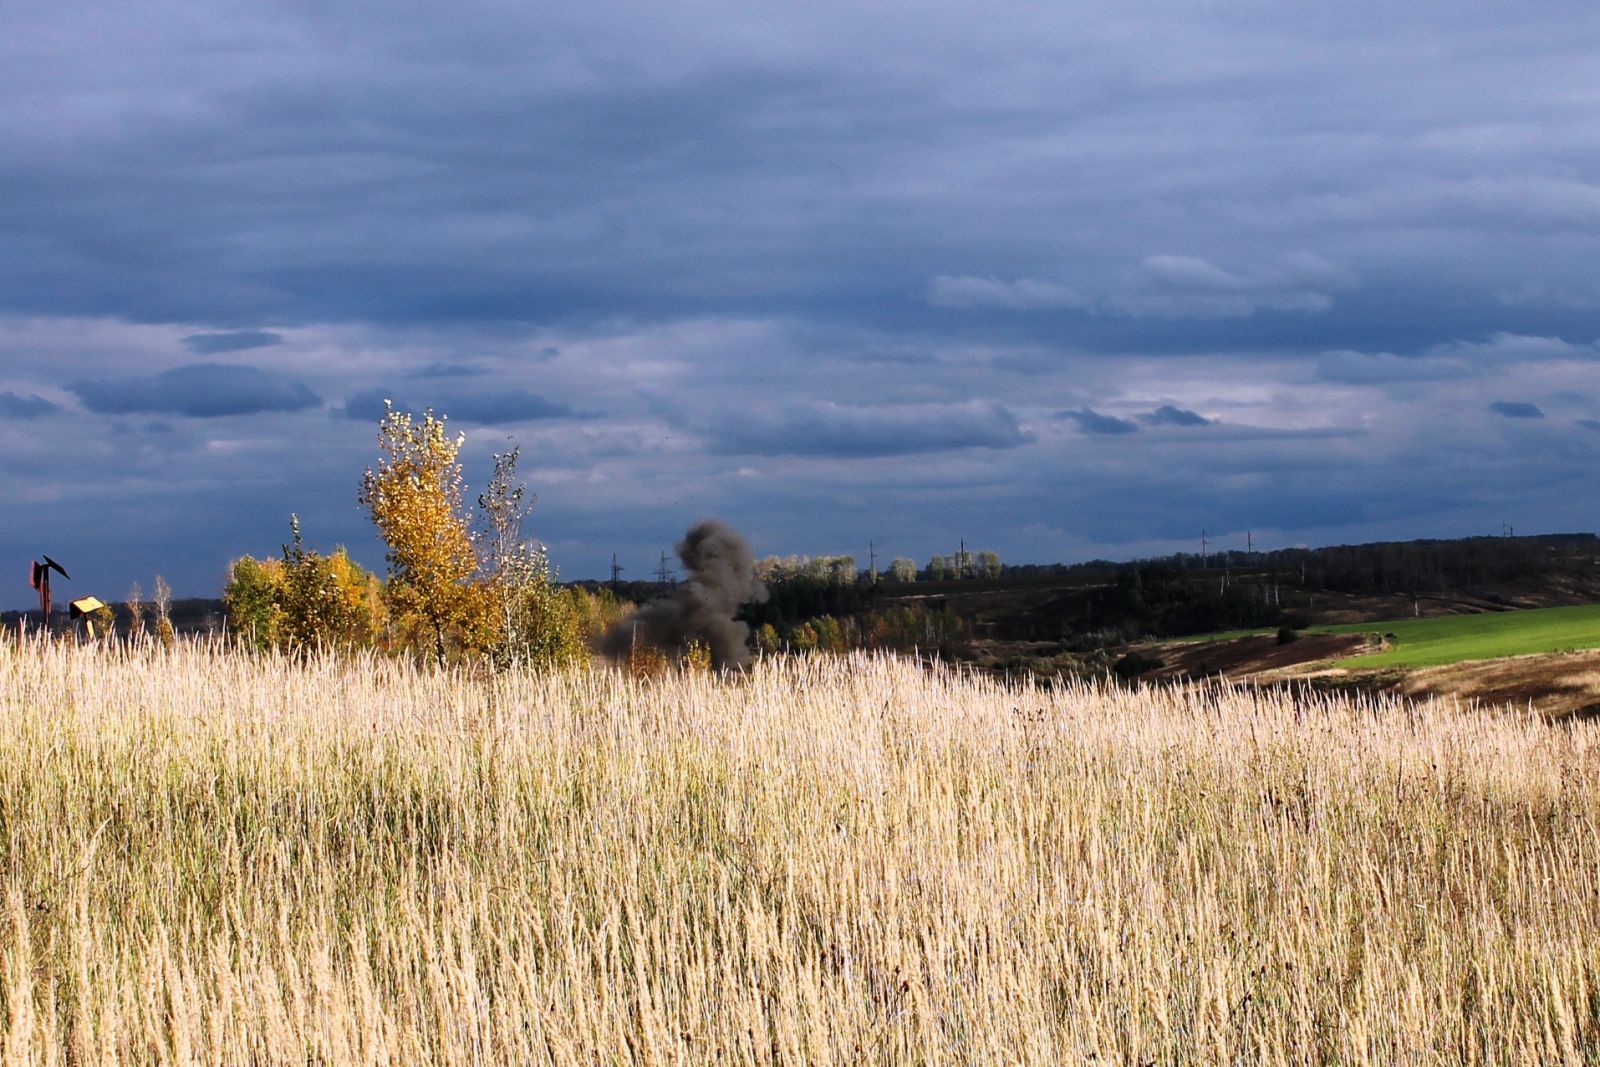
(767,639)
(535,623)
(939,569)
(135,605)
(104,621)
(829,636)
(325,600)
(162,596)
(988,564)
(597,612)
(304,600)
(415,500)
(253,601)
(803,637)
(903,570)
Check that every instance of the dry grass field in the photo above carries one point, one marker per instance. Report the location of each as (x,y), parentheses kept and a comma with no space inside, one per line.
(209,858)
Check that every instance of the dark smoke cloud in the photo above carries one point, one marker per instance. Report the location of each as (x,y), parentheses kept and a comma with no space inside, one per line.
(722,576)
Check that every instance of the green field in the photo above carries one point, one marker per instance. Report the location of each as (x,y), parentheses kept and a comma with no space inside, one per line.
(1448,639)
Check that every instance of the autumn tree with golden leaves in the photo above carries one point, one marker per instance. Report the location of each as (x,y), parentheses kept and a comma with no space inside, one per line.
(304,601)
(414,496)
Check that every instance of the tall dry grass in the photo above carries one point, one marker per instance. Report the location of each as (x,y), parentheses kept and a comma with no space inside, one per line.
(209,858)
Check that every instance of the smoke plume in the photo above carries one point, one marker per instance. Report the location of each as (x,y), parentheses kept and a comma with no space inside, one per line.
(721,576)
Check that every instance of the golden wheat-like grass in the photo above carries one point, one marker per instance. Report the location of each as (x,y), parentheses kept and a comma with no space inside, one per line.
(213,858)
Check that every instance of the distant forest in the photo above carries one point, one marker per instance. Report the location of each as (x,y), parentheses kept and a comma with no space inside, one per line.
(1384,567)
(1177,594)
(1103,602)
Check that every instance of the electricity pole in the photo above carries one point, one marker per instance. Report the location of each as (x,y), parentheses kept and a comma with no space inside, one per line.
(616,569)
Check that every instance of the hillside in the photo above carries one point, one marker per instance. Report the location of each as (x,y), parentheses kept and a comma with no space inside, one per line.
(1547,659)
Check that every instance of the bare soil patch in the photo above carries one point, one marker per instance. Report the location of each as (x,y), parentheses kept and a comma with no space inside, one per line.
(1244,656)
(1559,685)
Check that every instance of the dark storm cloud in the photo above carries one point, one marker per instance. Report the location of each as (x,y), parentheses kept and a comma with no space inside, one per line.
(819,230)
(1380,368)
(848,431)
(32,406)
(487,407)
(211,344)
(1165,163)
(1167,415)
(1091,421)
(1516,409)
(507,405)
(199,390)
(451,368)
(370,405)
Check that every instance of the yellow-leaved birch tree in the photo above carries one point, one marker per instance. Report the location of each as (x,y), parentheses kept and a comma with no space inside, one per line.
(414,496)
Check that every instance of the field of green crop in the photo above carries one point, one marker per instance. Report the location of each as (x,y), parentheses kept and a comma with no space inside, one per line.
(1446,639)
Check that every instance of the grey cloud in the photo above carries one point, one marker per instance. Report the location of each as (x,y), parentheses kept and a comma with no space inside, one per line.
(1168,415)
(783,163)
(200,390)
(1545,294)
(546,354)
(1190,287)
(32,406)
(823,428)
(1090,421)
(1024,294)
(1232,432)
(153,427)
(369,405)
(1589,424)
(1516,409)
(1504,347)
(451,368)
(507,405)
(485,407)
(211,344)
(1451,360)
(1104,192)
(1347,367)
(1165,286)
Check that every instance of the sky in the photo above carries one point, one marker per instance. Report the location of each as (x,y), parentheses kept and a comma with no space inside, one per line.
(1066,280)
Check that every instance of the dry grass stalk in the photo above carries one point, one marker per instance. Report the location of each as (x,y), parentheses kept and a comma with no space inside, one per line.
(210,857)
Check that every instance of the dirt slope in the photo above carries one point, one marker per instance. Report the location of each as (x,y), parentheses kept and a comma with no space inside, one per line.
(1245,656)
